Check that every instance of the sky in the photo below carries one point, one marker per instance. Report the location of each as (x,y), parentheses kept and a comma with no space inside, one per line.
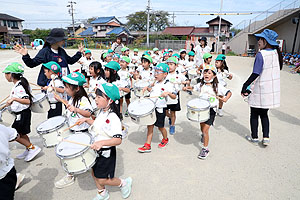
(50,14)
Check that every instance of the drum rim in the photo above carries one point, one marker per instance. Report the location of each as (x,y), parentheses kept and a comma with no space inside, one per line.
(197,109)
(81,171)
(197,120)
(53,129)
(42,99)
(78,153)
(139,116)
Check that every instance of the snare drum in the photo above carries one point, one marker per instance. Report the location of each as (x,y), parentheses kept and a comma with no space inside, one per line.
(198,110)
(51,128)
(40,103)
(75,158)
(193,73)
(7,118)
(138,88)
(142,112)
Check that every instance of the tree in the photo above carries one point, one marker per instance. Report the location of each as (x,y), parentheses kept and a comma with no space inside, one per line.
(138,21)
(37,33)
(89,20)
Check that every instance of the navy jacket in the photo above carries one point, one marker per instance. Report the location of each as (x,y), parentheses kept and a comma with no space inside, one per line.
(46,55)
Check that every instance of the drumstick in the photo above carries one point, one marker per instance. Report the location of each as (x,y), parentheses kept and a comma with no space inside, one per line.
(2,107)
(77,123)
(73,142)
(36,89)
(53,77)
(60,99)
(34,84)
(4,99)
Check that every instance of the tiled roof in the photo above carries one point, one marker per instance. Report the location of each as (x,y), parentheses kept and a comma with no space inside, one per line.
(102,20)
(117,31)
(201,30)
(9,17)
(88,32)
(179,30)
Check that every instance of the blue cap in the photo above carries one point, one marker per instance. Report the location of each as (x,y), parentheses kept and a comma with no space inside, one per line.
(269,35)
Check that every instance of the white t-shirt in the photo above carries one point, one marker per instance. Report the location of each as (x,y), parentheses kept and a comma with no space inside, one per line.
(58,84)
(18,91)
(83,104)
(86,63)
(94,82)
(6,162)
(106,126)
(124,75)
(207,92)
(156,58)
(199,52)
(222,76)
(158,89)
(146,75)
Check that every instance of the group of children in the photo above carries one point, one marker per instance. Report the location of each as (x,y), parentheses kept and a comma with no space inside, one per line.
(293,61)
(94,100)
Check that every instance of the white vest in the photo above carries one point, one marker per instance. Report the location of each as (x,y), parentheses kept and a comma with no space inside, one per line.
(266,88)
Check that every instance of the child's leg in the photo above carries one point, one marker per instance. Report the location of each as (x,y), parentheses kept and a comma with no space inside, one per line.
(204,130)
(127,101)
(149,133)
(168,114)
(163,132)
(121,105)
(220,104)
(24,139)
(173,117)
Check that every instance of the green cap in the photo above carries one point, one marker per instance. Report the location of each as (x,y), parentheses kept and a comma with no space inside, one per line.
(155,49)
(182,50)
(172,60)
(163,67)
(84,49)
(148,58)
(221,57)
(104,55)
(113,65)
(166,53)
(87,51)
(124,49)
(53,66)
(191,53)
(135,50)
(116,55)
(15,68)
(75,78)
(126,59)
(176,55)
(207,55)
(110,51)
(212,68)
(111,90)
(146,53)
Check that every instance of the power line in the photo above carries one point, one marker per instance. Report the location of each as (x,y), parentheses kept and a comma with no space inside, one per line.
(71,12)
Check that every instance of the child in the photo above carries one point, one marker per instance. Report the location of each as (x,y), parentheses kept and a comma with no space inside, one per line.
(207,57)
(163,88)
(125,76)
(209,89)
(20,102)
(135,58)
(222,75)
(144,72)
(165,57)
(78,107)
(107,133)
(170,52)
(173,105)
(182,60)
(52,70)
(190,64)
(85,62)
(156,56)
(116,57)
(110,51)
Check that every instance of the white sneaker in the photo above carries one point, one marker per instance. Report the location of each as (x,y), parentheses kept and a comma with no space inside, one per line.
(102,197)
(20,178)
(266,141)
(65,182)
(220,112)
(23,155)
(32,153)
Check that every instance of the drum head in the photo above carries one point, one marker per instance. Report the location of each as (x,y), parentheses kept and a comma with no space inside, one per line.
(141,107)
(141,84)
(51,124)
(66,149)
(38,97)
(198,104)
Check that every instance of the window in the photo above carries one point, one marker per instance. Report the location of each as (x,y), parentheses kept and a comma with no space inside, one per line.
(5,22)
(103,28)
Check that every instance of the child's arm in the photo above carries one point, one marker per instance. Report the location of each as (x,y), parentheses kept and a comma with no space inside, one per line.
(127,90)
(82,112)
(111,142)
(170,94)
(22,101)
(87,120)
(59,90)
(225,99)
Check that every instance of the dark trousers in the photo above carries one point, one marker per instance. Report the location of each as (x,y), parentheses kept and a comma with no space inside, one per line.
(263,114)
(223,51)
(55,112)
(7,185)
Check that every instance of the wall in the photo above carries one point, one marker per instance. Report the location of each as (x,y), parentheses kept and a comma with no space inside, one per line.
(238,44)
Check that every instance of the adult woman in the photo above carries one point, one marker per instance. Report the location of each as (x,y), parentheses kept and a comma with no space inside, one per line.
(52,51)
(117,46)
(200,50)
(265,84)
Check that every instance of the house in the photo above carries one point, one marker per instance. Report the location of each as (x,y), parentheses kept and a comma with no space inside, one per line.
(11,29)
(103,27)
(195,33)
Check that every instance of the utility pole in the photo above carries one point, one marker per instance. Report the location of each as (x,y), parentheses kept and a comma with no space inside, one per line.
(148,23)
(173,19)
(219,31)
(71,12)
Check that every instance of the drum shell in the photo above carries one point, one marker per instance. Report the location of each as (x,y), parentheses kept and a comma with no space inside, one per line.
(7,117)
(41,105)
(138,90)
(192,74)
(198,114)
(143,119)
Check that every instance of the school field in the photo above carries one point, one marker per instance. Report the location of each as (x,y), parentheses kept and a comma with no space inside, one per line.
(235,168)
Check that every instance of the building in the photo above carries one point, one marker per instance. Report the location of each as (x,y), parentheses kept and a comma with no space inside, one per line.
(79,28)
(103,27)
(280,21)
(11,30)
